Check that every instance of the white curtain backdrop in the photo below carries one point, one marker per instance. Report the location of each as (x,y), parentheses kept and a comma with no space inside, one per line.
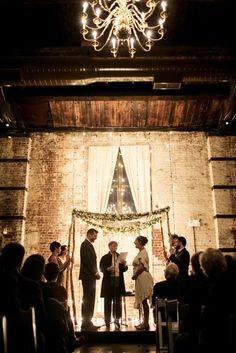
(101,165)
(137,165)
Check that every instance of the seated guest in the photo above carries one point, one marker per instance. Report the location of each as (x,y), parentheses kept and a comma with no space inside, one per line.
(54,290)
(211,304)
(219,314)
(33,267)
(60,330)
(29,291)
(195,281)
(10,308)
(169,288)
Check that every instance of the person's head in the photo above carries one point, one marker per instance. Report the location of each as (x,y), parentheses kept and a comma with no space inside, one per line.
(51,272)
(195,263)
(92,234)
(180,242)
(113,246)
(213,262)
(64,250)
(33,267)
(55,246)
(171,271)
(172,238)
(12,256)
(230,261)
(140,241)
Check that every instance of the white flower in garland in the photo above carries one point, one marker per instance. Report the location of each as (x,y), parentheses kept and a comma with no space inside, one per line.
(102,220)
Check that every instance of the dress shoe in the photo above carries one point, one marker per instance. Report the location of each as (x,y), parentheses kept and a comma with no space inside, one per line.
(79,341)
(117,326)
(89,327)
(143,327)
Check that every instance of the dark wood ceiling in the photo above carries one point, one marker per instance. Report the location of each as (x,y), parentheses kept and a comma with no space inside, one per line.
(51,80)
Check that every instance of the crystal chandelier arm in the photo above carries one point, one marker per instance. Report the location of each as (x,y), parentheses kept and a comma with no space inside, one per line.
(108,39)
(160,31)
(140,21)
(140,44)
(103,23)
(133,8)
(99,31)
(137,25)
(106,7)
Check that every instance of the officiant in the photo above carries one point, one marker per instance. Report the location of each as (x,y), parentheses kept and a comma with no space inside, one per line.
(113,266)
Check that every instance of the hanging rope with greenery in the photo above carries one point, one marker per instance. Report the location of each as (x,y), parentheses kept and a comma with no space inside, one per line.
(106,221)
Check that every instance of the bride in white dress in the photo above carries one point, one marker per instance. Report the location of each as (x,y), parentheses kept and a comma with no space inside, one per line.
(143,281)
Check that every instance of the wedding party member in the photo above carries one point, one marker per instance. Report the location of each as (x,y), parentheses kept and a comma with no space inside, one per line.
(63,260)
(143,281)
(181,257)
(113,285)
(55,248)
(88,274)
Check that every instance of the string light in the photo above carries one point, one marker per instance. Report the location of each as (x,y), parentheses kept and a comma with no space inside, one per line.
(171,178)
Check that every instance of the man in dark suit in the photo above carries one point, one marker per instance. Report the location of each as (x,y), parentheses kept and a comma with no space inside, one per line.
(88,274)
(113,285)
(181,257)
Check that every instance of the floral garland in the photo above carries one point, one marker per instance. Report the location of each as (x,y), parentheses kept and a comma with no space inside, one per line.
(96,220)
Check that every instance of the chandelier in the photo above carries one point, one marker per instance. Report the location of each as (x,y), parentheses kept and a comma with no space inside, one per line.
(123,22)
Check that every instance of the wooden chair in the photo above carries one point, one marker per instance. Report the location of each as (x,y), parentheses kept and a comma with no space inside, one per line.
(173,322)
(29,331)
(3,334)
(167,323)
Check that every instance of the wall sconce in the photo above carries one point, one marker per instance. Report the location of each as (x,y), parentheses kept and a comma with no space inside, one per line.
(194,223)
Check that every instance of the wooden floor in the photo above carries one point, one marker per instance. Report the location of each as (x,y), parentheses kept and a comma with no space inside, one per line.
(127,334)
(116,348)
(124,327)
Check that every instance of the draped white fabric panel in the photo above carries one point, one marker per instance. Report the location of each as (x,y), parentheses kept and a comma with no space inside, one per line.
(101,165)
(137,165)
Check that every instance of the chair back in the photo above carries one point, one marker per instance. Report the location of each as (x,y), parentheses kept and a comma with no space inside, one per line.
(167,323)
(29,330)
(172,319)
(3,334)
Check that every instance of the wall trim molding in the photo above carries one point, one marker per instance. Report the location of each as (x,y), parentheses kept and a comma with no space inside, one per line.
(12,218)
(14,160)
(219,159)
(225,216)
(13,188)
(222,187)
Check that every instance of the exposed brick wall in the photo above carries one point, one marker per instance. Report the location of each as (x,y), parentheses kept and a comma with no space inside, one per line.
(157,244)
(52,174)
(14,164)
(222,166)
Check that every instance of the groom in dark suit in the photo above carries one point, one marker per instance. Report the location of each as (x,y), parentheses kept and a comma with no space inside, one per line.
(88,274)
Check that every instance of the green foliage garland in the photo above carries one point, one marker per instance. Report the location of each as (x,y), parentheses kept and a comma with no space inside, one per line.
(100,220)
